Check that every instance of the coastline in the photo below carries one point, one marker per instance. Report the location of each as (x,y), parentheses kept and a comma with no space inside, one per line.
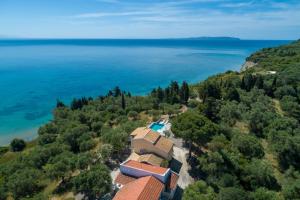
(74,83)
(28,135)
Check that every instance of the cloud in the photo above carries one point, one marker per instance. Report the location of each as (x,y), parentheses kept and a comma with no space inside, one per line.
(237,5)
(109,1)
(112,14)
(195,17)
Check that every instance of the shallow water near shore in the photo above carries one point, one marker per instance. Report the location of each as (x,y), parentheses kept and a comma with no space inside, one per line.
(34,73)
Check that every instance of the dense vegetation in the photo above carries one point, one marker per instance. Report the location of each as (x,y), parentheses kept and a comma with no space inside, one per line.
(255,151)
(242,130)
(76,150)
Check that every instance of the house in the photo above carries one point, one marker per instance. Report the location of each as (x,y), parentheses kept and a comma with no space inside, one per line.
(145,188)
(137,169)
(129,179)
(145,141)
(147,158)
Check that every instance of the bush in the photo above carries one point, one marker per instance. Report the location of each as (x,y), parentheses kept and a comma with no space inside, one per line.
(199,190)
(264,194)
(259,174)
(248,145)
(94,183)
(133,114)
(232,193)
(3,150)
(17,145)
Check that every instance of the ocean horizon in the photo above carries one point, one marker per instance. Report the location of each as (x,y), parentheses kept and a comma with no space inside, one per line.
(34,73)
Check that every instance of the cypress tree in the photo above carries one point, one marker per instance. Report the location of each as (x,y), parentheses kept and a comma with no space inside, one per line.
(123,101)
(184,92)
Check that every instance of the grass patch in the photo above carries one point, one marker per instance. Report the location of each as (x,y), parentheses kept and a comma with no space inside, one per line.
(271,158)
(242,127)
(278,107)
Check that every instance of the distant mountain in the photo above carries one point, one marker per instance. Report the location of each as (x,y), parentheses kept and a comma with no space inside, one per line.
(214,38)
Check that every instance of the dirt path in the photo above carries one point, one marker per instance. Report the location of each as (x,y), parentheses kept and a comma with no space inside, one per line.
(184,177)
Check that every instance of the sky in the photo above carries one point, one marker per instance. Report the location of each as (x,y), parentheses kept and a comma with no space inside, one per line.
(246,19)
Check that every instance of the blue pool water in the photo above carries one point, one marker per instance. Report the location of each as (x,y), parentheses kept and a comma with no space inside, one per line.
(34,73)
(156,126)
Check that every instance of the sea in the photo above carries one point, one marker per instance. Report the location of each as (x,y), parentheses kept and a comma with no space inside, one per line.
(34,73)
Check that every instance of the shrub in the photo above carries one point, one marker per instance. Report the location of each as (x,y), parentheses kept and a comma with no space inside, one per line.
(17,145)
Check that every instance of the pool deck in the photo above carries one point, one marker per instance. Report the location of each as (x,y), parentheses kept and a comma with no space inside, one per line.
(166,126)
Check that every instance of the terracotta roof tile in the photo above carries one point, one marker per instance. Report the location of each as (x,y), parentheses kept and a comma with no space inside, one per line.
(146,188)
(140,131)
(145,133)
(173,180)
(124,179)
(152,136)
(150,159)
(146,167)
(164,144)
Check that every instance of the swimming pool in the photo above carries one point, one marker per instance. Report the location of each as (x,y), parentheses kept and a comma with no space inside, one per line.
(156,126)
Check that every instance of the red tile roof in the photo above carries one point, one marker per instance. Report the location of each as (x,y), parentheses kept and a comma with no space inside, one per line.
(164,144)
(124,179)
(145,167)
(146,134)
(173,180)
(146,188)
(140,131)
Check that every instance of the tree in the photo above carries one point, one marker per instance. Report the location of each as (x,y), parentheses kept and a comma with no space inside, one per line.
(211,108)
(59,104)
(232,95)
(248,82)
(93,183)
(83,161)
(117,91)
(264,194)
(229,113)
(290,105)
(72,137)
(97,126)
(79,103)
(248,145)
(133,114)
(17,144)
(46,139)
(61,166)
(117,138)
(259,174)
(199,191)
(232,193)
(3,190)
(212,164)
(288,150)
(24,182)
(160,94)
(286,90)
(292,190)
(259,118)
(106,152)
(184,92)
(123,102)
(174,87)
(193,127)
(259,82)
(209,89)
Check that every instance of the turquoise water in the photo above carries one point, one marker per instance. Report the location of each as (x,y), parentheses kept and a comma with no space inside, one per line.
(156,126)
(34,73)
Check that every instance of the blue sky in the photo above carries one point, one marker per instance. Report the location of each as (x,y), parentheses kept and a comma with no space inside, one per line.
(254,19)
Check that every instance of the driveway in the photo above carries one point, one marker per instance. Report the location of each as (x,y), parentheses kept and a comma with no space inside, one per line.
(179,164)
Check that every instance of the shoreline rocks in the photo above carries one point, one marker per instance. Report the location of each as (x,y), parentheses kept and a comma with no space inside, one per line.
(247,65)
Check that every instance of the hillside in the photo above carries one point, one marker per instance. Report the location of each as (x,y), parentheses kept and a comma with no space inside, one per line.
(242,130)
(255,153)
